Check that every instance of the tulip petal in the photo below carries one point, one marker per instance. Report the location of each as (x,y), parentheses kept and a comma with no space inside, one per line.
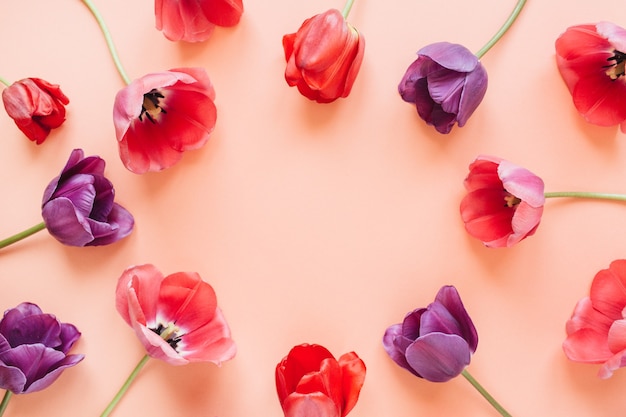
(65,223)
(310,405)
(608,290)
(449,297)
(451,56)
(353,378)
(210,342)
(438,357)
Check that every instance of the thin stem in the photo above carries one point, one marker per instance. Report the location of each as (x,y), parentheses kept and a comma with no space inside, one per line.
(518,8)
(125,387)
(485,394)
(22,235)
(581,194)
(109,40)
(5,82)
(5,401)
(346,8)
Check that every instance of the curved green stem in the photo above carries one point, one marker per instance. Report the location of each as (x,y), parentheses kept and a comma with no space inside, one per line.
(5,82)
(5,401)
(22,235)
(346,8)
(518,8)
(109,40)
(485,394)
(582,194)
(125,387)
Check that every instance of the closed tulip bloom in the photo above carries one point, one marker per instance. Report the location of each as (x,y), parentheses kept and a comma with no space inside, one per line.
(311,383)
(175,317)
(194,20)
(36,106)
(435,342)
(446,83)
(34,349)
(78,206)
(591,59)
(504,202)
(161,115)
(596,332)
(324,57)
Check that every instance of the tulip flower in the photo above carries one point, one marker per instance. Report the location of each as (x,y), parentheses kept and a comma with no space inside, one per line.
(591,60)
(194,20)
(596,330)
(175,317)
(36,106)
(447,82)
(324,56)
(504,202)
(161,115)
(34,350)
(78,206)
(311,382)
(436,342)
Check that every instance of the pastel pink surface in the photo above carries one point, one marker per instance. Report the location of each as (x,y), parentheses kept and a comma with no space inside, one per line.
(318,223)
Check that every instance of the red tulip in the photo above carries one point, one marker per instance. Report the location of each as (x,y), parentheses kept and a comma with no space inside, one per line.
(324,57)
(311,383)
(596,332)
(194,20)
(175,317)
(592,59)
(36,107)
(161,115)
(504,202)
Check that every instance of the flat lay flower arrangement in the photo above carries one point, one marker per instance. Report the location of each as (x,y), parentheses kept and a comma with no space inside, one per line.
(313,209)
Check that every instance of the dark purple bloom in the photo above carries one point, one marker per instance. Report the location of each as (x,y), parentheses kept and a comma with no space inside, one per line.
(436,342)
(78,207)
(33,349)
(446,83)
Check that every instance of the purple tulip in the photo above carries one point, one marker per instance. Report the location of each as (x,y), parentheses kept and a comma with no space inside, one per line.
(436,342)
(78,207)
(446,83)
(33,349)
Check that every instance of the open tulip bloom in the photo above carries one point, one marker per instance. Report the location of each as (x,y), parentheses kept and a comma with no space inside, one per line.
(310,382)
(436,342)
(324,56)
(175,317)
(591,60)
(447,82)
(34,350)
(504,202)
(78,206)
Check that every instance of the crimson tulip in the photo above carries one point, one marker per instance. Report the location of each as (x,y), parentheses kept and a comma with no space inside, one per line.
(194,20)
(175,317)
(324,57)
(504,202)
(311,383)
(161,115)
(596,332)
(36,106)
(591,59)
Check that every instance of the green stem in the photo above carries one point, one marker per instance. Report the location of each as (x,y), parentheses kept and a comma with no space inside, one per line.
(5,401)
(125,387)
(485,394)
(518,8)
(346,8)
(5,82)
(581,194)
(22,235)
(109,40)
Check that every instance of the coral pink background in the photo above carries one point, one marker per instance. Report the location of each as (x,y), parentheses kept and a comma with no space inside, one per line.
(318,223)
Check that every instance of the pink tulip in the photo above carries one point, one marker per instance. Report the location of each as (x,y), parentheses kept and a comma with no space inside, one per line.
(175,317)
(596,332)
(161,115)
(504,202)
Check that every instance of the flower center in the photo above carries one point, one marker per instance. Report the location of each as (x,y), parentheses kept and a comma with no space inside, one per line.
(151,105)
(169,333)
(510,200)
(618,67)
